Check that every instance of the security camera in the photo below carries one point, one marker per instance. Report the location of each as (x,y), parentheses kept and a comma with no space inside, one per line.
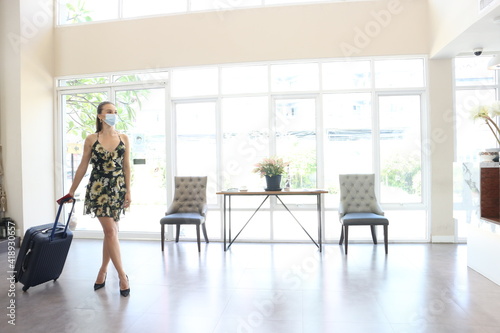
(478,51)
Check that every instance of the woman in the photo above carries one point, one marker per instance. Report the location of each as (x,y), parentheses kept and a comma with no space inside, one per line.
(108,190)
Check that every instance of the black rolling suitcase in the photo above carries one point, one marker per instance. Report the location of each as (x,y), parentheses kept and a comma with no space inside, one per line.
(43,251)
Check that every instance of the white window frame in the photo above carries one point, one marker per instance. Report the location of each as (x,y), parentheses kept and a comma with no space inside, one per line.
(272,97)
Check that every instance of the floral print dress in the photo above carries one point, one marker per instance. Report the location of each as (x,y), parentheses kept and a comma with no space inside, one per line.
(106,188)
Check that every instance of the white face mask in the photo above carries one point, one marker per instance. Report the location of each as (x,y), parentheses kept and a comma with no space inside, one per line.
(111,119)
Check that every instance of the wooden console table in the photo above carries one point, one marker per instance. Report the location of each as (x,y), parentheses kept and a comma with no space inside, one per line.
(227,210)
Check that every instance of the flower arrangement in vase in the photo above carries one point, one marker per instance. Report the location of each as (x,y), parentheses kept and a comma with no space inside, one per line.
(487,113)
(272,168)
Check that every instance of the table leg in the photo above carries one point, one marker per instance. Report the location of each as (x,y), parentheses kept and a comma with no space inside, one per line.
(230,220)
(318,205)
(296,220)
(224,210)
(244,226)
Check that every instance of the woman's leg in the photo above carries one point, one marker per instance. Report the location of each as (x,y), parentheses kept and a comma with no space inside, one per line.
(111,249)
(101,276)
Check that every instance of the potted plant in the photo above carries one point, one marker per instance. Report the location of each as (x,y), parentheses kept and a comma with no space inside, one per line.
(487,113)
(272,168)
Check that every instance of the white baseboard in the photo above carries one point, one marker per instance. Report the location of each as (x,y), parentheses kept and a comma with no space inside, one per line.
(443,239)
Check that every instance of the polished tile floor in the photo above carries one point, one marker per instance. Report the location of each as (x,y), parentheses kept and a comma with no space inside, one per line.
(261,288)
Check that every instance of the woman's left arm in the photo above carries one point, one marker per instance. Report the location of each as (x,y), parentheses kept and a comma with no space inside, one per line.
(126,171)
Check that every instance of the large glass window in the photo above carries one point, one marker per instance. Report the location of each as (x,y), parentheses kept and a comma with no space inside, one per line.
(142,119)
(196,150)
(78,111)
(214,5)
(134,8)
(397,73)
(90,81)
(473,72)
(143,111)
(194,82)
(348,147)
(344,75)
(244,79)
(220,121)
(295,131)
(245,139)
(294,77)
(195,139)
(400,149)
(474,85)
(79,11)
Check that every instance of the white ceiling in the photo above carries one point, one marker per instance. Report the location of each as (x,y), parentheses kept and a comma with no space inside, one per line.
(484,33)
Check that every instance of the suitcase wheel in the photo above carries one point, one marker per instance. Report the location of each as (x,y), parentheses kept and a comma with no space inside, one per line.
(25,288)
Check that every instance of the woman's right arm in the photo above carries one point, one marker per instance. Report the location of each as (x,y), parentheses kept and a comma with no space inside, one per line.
(82,168)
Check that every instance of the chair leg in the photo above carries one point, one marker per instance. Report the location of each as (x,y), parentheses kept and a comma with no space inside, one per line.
(204,232)
(198,237)
(162,237)
(177,233)
(374,234)
(386,241)
(346,235)
(341,234)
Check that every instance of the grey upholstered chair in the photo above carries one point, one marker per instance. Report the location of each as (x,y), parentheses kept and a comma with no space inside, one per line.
(189,206)
(359,206)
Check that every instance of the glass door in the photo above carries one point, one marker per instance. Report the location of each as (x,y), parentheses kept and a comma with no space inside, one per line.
(142,118)
(296,142)
(143,110)
(196,151)
(400,137)
(79,121)
(401,164)
(295,132)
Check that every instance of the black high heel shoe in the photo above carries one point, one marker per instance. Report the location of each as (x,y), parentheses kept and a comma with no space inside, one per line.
(125,292)
(98,286)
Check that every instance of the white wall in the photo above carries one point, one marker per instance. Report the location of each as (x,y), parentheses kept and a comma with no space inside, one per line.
(295,32)
(10,115)
(460,26)
(440,144)
(26,102)
(448,19)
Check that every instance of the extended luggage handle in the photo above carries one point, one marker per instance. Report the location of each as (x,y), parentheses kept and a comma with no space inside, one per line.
(61,202)
(55,227)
